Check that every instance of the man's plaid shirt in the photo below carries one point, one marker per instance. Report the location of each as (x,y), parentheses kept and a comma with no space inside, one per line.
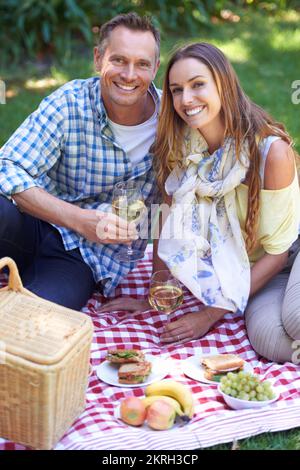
(67,148)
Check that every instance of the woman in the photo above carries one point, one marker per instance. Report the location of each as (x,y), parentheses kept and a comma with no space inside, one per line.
(239,157)
(228,170)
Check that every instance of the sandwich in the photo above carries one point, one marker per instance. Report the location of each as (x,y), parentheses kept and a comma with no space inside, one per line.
(122,356)
(218,365)
(134,373)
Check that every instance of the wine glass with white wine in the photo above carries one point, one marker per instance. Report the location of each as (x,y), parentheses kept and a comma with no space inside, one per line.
(165,293)
(128,204)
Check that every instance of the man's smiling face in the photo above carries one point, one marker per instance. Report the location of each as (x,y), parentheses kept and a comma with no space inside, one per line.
(127,67)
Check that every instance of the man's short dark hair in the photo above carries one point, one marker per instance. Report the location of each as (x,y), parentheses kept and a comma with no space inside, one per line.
(131,21)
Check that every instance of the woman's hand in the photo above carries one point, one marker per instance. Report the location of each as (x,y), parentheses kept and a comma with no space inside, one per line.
(193,325)
(126,303)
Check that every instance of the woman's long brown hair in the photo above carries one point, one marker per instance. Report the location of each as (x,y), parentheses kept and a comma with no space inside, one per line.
(243,120)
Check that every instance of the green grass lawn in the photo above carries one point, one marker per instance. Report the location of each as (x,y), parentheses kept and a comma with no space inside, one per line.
(283,440)
(265,53)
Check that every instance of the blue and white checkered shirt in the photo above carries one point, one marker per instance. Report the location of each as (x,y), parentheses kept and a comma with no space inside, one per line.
(67,148)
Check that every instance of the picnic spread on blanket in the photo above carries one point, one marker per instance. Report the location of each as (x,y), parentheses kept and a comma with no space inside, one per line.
(141,394)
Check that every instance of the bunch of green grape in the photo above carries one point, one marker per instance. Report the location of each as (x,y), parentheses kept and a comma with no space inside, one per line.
(246,386)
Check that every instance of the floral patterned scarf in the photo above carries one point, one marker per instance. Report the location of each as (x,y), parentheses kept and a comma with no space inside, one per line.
(201,241)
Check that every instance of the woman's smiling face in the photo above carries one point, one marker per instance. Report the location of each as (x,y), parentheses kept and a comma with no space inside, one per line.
(195,95)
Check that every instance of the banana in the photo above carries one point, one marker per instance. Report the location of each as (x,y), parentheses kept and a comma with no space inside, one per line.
(149,400)
(176,390)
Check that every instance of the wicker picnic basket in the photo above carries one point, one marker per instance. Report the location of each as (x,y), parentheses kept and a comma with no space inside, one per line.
(44,365)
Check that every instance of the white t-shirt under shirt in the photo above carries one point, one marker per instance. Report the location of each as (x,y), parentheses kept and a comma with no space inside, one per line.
(136,140)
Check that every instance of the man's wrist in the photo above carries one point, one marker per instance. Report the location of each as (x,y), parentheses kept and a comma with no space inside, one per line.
(74,219)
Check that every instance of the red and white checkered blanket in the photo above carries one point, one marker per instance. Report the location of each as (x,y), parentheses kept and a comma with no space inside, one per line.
(214,422)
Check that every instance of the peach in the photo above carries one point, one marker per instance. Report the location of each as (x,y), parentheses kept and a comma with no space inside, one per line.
(133,411)
(160,415)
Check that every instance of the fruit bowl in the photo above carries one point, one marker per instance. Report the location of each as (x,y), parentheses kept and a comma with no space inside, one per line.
(239,404)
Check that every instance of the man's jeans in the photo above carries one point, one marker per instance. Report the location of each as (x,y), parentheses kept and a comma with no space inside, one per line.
(45,267)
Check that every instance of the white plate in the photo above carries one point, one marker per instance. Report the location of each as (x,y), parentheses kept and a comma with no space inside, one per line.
(108,372)
(193,368)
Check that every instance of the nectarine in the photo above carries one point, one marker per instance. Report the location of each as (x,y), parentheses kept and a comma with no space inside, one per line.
(160,415)
(133,411)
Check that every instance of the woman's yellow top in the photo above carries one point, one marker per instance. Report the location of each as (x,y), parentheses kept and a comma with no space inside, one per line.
(279,216)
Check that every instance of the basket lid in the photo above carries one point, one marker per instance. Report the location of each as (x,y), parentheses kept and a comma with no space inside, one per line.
(36,329)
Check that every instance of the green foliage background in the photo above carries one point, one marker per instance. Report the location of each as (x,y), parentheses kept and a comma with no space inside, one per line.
(35,27)
(263,48)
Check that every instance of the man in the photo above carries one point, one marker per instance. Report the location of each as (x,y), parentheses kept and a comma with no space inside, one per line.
(60,166)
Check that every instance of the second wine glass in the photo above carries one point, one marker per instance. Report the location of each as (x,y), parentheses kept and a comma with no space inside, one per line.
(165,293)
